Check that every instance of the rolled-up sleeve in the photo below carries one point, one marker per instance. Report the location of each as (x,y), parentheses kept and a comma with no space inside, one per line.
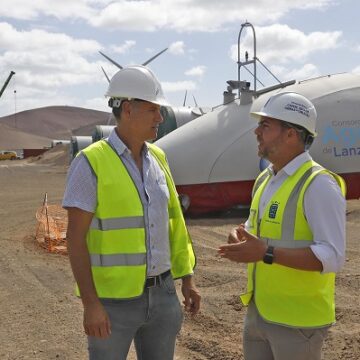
(325,211)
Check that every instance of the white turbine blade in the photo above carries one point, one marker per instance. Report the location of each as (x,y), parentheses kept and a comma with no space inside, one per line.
(106,75)
(201,110)
(185,98)
(111,60)
(154,57)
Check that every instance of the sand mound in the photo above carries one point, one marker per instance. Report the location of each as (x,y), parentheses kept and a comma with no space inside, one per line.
(54,122)
(13,139)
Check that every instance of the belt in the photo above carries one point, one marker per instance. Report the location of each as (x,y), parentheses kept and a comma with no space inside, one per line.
(156,280)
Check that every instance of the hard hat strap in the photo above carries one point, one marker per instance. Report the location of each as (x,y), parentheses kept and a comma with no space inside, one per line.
(114,103)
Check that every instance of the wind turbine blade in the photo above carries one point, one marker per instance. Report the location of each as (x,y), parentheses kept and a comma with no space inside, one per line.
(201,110)
(108,79)
(111,60)
(195,101)
(185,98)
(154,57)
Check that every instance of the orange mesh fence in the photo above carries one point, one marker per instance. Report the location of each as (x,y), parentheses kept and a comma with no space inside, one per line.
(51,229)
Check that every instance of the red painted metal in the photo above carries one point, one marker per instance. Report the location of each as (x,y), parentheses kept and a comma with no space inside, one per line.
(206,198)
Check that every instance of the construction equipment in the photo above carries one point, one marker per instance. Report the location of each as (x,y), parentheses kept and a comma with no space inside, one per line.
(7,82)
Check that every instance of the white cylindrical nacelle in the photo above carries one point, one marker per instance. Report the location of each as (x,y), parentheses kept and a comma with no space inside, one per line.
(221,145)
(78,143)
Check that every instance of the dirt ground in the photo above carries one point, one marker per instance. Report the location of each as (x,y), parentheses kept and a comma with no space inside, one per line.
(41,319)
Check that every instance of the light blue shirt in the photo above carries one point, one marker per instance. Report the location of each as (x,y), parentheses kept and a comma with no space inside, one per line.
(81,192)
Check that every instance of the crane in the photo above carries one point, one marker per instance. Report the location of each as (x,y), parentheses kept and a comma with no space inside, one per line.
(7,82)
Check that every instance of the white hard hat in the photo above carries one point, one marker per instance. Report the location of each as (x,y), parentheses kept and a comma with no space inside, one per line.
(136,82)
(292,108)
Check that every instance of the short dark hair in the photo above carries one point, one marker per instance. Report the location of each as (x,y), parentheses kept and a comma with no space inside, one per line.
(306,137)
(117,111)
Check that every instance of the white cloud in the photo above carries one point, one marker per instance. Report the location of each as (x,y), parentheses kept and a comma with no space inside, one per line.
(282,44)
(178,86)
(196,71)
(42,59)
(43,41)
(356,70)
(194,15)
(124,48)
(31,10)
(47,65)
(177,48)
(30,98)
(305,72)
(151,15)
(98,103)
(52,64)
(131,16)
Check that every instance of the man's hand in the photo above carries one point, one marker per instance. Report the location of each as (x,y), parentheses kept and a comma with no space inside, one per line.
(233,236)
(247,248)
(96,321)
(191,295)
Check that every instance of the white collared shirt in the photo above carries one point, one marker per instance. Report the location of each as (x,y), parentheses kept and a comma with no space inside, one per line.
(325,212)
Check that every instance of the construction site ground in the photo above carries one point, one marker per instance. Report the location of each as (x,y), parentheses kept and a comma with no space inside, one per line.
(41,319)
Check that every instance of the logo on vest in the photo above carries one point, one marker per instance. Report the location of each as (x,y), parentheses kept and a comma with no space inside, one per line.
(273,209)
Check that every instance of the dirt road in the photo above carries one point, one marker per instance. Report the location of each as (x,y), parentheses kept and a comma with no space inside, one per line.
(41,319)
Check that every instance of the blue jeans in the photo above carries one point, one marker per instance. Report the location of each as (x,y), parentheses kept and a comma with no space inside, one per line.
(152,321)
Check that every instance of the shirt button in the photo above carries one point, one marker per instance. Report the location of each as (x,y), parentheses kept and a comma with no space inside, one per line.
(152,225)
(153,267)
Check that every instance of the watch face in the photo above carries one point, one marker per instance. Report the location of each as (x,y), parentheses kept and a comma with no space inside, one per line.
(269,256)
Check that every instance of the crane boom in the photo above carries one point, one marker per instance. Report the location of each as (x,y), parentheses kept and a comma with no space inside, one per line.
(7,82)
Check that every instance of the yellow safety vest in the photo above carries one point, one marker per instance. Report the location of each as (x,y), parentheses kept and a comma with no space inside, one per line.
(116,240)
(284,295)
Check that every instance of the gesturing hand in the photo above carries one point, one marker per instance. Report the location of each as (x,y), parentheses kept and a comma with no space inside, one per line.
(247,249)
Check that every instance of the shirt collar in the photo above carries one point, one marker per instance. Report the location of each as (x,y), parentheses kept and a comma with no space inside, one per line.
(119,146)
(293,165)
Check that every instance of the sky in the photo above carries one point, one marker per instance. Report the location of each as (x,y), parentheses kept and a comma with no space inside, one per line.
(53,46)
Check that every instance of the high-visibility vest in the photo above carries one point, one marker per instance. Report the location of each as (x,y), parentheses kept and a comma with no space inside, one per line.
(284,295)
(116,240)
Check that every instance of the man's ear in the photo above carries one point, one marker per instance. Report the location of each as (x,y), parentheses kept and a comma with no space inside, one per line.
(126,107)
(292,133)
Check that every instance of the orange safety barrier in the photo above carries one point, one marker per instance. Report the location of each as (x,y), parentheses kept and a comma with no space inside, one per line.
(51,229)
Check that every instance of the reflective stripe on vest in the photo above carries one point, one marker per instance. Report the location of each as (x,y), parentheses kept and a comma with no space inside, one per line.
(258,182)
(288,244)
(131,222)
(118,259)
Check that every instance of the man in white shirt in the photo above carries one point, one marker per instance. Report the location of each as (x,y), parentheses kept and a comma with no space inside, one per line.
(293,240)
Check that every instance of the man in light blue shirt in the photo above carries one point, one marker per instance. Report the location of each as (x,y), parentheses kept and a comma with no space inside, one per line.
(153,319)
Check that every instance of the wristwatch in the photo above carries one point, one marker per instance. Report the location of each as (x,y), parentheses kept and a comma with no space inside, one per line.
(269,255)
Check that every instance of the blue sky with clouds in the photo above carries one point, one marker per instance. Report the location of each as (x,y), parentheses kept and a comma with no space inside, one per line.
(53,45)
